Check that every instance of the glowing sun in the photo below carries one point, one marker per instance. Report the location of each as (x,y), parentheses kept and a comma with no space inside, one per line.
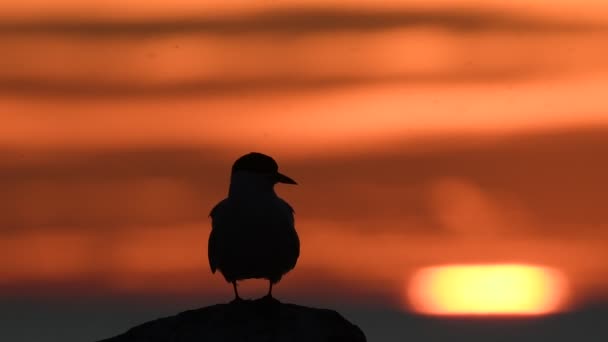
(505,289)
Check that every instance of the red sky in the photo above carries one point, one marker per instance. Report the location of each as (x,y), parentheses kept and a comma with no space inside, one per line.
(419,135)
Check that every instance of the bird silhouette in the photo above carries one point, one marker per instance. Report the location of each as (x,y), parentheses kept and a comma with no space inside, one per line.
(252,230)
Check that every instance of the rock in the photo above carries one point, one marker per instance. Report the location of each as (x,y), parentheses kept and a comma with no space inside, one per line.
(264,319)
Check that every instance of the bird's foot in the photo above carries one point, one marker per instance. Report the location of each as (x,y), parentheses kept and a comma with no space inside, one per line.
(268,299)
(237,300)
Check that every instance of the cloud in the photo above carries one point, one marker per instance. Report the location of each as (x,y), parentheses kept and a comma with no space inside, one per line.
(298,21)
(554,181)
(466,209)
(96,88)
(289,50)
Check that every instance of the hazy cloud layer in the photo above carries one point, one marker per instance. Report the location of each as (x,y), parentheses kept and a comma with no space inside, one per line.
(305,21)
(228,87)
(289,50)
(548,181)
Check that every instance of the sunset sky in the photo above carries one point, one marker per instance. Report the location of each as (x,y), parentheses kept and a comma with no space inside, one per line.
(421,133)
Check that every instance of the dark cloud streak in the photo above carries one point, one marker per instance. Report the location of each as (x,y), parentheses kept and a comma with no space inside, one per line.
(29,87)
(299,21)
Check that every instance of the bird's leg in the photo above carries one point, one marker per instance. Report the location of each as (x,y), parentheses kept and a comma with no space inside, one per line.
(236,293)
(269,289)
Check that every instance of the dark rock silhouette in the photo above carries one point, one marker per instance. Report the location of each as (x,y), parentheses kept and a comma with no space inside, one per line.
(264,319)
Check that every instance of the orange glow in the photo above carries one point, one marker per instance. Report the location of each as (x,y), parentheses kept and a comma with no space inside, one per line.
(141,260)
(487,289)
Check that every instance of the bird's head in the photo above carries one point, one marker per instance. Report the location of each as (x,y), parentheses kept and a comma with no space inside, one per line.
(261,165)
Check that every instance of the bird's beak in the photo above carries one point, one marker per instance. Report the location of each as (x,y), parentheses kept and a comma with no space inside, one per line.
(281,178)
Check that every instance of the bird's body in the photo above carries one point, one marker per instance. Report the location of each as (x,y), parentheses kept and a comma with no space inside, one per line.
(253,233)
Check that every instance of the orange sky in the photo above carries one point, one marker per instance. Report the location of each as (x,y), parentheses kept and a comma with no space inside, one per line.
(420,136)
(141,8)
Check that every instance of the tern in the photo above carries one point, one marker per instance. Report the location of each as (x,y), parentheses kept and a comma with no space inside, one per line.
(253,233)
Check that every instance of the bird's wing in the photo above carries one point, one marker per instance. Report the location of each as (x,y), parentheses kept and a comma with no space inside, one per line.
(212,251)
(217,207)
(294,242)
(288,210)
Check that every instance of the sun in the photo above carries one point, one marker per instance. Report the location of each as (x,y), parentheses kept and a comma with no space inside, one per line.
(503,289)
